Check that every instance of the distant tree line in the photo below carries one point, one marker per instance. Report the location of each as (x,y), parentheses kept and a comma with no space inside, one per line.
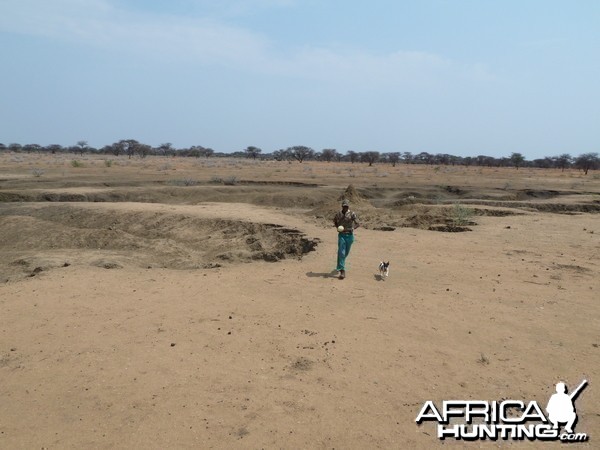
(300,153)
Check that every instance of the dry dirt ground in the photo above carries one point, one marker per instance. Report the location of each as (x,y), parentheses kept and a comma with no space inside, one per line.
(178,303)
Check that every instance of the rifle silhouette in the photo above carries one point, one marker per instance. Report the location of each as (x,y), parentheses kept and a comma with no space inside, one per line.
(574,394)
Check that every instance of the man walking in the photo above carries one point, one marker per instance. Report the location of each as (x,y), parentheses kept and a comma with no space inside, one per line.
(346,222)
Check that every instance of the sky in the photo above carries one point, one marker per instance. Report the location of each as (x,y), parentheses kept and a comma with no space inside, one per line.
(463,77)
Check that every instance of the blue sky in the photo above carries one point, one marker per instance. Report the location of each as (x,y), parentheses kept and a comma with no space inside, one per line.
(464,77)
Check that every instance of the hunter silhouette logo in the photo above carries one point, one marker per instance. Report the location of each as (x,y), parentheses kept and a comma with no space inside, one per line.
(560,406)
(507,419)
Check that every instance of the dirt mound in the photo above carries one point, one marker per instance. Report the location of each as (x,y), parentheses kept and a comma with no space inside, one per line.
(325,211)
(351,194)
(526,194)
(495,212)
(299,195)
(557,208)
(440,218)
(144,239)
(450,218)
(449,228)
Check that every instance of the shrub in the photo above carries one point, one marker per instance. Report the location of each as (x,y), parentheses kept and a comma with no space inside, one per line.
(483,360)
(37,172)
(184,182)
(461,215)
(108,162)
(76,163)
(229,181)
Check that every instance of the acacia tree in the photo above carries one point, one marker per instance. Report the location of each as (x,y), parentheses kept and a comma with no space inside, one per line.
(32,148)
(543,163)
(252,152)
(166,149)
(587,161)
(393,158)
(208,152)
(202,151)
(443,158)
(128,146)
(117,148)
(352,155)
(53,148)
(300,152)
(424,158)
(82,146)
(517,159)
(143,150)
(490,161)
(327,154)
(563,161)
(369,157)
(282,154)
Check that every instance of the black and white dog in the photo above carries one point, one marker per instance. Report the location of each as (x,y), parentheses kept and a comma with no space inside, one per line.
(384,269)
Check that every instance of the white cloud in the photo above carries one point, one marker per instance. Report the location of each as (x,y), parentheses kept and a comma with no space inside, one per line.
(55,18)
(99,23)
(410,69)
(197,40)
(356,64)
(243,6)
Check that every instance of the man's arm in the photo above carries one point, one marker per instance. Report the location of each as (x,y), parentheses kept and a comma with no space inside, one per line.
(355,220)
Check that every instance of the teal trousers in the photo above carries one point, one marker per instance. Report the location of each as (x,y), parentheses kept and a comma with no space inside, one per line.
(344,245)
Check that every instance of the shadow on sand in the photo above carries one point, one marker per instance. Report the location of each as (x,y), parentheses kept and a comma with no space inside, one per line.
(332,274)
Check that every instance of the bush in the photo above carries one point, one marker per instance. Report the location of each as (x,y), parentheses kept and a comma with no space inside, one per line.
(108,162)
(76,163)
(184,182)
(37,172)
(229,181)
(461,215)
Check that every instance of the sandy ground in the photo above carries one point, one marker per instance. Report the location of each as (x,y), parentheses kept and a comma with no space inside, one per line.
(285,355)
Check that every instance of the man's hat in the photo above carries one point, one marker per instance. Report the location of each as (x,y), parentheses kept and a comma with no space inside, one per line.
(345,202)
